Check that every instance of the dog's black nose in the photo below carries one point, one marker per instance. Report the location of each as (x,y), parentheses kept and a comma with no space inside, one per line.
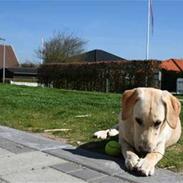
(142,151)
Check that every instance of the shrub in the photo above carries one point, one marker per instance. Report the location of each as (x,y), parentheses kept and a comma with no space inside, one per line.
(100,76)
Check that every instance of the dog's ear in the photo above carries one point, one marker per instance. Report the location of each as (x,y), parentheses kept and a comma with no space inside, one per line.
(129,98)
(173,108)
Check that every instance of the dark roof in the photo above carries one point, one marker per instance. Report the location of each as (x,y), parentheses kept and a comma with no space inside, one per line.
(98,55)
(10,59)
(19,71)
(23,71)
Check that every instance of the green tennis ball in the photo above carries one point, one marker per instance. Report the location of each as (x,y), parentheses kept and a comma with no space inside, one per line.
(113,148)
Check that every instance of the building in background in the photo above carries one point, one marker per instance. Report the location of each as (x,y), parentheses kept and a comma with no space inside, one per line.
(13,69)
(171,70)
(10,57)
(97,55)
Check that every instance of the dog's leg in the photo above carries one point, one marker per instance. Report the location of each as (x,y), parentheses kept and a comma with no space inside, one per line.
(147,165)
(103,134)
(114,131)
(131,158)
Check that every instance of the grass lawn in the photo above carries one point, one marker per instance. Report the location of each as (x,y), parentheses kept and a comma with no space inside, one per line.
(38,109)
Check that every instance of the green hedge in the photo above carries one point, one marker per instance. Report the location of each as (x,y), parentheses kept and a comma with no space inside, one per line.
(99,76)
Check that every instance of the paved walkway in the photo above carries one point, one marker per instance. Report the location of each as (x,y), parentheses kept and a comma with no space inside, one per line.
(26,157)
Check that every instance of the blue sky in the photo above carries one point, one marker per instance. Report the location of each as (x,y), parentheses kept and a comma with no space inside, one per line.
(116,26)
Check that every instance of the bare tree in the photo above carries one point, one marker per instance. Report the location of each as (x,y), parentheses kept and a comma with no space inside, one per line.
(61,48)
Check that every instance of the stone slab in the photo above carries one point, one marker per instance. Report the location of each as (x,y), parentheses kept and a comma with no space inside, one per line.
(109,179)
(26,161)
(87,174)
(161,176)
(3,181)
(67,167)
(4,153)
(44,175)
(15,163)
(30,140)
(112,167)
(88,159)
(13,147)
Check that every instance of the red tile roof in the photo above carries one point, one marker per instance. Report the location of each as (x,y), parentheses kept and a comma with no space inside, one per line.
(172,65)
(11,59)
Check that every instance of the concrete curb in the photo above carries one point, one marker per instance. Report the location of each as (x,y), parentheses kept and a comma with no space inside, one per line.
(93,167)
(112,167)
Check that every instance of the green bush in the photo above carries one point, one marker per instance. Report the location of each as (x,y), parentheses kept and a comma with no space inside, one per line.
(99,76)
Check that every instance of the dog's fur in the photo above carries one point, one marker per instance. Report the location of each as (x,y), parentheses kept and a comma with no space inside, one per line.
(149,122)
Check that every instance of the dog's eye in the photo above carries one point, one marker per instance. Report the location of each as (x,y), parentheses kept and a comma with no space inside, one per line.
(157,124)
(139,121)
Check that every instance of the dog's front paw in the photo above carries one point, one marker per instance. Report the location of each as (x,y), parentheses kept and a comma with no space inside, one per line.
(145,167)
(113,132)
(101,134)
(131,161)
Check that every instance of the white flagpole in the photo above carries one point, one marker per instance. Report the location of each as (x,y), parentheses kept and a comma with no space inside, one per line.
(148,29)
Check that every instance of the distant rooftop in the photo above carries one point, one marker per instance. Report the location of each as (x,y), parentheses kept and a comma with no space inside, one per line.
(10,59)
(98,55)
(24,71)
(173,65)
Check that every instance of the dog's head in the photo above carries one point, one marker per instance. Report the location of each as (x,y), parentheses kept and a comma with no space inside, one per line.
(149,111)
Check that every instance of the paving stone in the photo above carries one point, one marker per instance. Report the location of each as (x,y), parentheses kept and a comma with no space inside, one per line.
(109,179)
(87,174)
(16,163)
(44,175)
(26,161)
(67,167)
(3,181)
(161,176)
(112,167)
(88,159)
(13,147)
(4,153)
(29,140)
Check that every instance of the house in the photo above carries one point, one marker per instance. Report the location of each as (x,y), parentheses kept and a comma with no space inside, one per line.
(97,55)
(20,74)
(13,71)
(11,60)
(171,70)
(10,57)
(24,74)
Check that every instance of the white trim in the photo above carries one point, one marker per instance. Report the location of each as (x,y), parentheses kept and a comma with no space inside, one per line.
(15,54)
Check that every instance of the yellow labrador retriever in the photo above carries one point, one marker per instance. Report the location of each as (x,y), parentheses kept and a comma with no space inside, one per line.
(149,122)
